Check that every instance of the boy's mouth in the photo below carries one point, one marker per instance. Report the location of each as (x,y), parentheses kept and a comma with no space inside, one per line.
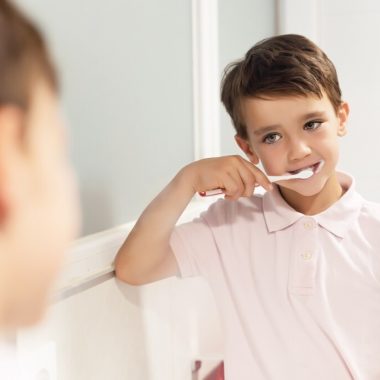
(314,167)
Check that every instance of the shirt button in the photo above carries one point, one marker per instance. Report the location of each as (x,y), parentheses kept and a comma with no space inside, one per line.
(306,255)
(308,225)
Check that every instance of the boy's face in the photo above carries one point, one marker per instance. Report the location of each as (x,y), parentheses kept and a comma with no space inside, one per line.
(39,206)
(300,131)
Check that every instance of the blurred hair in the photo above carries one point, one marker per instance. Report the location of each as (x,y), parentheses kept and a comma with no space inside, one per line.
(285,65)
(24,58)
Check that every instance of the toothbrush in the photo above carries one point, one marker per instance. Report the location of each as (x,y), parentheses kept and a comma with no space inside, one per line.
(304,174)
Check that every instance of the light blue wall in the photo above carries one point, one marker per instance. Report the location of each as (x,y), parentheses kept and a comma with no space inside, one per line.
(127,91)
(242,23)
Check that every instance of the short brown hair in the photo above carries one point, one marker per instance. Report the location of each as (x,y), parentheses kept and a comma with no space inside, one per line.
(24,58)
(283,65)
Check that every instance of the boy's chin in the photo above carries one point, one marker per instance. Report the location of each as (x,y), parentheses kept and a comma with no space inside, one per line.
(305,191)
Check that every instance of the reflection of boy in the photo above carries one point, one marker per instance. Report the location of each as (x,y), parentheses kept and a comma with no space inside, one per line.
(38,197)
(295,272)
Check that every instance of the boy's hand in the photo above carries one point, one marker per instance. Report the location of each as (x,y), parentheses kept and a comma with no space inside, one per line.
(146,254)
(236,176)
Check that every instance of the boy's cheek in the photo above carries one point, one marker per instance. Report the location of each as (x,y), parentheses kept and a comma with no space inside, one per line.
(273,166)
(331,150)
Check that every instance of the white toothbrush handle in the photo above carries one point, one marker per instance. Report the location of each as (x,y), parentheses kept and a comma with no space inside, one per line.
(272,178)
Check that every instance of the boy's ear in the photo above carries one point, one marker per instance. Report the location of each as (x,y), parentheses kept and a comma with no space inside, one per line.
(343,113)
(245,146)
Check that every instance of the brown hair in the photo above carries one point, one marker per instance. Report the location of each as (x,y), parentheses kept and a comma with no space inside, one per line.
(24,58)
(283,65)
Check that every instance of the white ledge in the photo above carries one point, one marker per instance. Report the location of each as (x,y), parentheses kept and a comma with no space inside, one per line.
(90,259)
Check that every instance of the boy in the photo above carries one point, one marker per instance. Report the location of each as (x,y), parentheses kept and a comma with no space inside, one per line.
(296,271)
(39,211)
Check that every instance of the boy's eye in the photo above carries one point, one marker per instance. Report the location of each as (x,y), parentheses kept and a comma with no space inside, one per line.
(310,126)
(269,139)
(313,124)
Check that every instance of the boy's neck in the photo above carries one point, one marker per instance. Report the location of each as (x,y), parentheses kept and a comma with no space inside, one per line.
(311,205)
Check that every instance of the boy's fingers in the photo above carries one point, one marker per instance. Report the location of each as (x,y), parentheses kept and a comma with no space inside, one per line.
(248,180)
(234,185)
(260,177)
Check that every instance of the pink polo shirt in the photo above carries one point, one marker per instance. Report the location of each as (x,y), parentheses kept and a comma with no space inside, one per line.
(298,295)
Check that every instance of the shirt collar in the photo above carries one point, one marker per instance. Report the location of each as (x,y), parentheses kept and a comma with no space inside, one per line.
(278,214)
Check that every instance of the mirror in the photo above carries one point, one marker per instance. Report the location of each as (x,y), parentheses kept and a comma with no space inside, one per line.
(127,76)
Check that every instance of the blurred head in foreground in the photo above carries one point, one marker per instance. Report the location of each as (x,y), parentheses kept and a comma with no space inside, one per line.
(39,213)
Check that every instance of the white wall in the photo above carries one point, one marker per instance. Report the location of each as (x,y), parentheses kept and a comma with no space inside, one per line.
(116,331)
(350,34)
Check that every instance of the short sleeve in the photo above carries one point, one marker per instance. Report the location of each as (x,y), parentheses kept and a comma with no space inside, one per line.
(194,246)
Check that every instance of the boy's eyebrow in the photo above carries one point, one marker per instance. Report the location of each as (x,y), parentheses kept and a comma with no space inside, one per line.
(262,130)
(310,115)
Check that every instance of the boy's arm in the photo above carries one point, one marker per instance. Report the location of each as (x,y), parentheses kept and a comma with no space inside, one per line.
(146,254)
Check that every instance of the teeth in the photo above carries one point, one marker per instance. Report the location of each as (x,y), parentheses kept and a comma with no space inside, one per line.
(312,167)
(320,166)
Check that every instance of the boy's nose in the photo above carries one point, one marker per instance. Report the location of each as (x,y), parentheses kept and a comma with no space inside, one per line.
(298,150)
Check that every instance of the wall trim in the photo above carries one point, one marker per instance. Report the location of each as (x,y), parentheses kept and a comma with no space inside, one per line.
(205,52)
(90,259)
